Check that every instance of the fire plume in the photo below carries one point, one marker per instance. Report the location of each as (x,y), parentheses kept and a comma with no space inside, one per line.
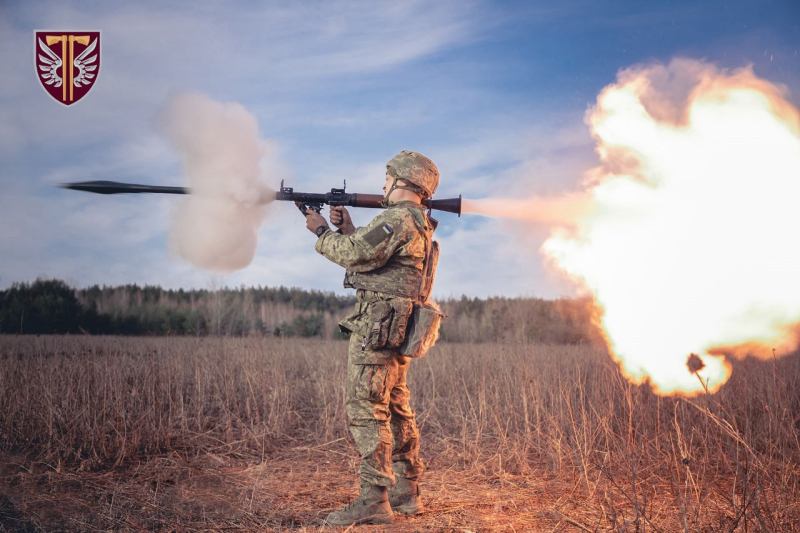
(560,211)
(687,239)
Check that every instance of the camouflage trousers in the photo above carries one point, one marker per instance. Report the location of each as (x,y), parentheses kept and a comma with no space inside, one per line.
(381,420)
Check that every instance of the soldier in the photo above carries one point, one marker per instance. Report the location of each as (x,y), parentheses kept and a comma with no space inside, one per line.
(390,264)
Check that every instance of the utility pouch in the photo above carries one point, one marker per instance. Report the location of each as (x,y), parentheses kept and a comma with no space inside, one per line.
(423,329)
(379,321)
(402,309)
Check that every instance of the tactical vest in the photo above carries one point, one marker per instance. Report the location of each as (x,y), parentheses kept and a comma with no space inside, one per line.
(402,280)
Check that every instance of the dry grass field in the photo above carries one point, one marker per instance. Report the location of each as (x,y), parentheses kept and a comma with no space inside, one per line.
(175,434)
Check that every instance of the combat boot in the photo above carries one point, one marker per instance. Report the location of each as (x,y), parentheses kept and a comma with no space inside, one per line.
(404,497)
(371,507)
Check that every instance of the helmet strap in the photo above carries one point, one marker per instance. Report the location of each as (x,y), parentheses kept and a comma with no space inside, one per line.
(413,188)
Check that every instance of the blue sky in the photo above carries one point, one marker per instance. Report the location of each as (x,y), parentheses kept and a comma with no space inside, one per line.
(494,92)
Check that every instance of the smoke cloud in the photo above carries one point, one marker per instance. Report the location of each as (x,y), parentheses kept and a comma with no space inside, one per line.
(216,227)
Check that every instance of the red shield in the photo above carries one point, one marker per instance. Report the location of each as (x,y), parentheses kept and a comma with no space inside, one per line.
(67,63)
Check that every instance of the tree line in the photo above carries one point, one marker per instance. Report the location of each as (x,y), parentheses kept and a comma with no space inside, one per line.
(51,306)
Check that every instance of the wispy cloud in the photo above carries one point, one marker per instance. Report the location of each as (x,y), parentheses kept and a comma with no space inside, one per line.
(338,38)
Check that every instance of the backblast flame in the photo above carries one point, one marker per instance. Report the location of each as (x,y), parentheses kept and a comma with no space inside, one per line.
(688,242)
(554,211)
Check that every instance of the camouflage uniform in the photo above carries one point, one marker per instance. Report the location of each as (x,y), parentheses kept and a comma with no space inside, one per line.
(384,261)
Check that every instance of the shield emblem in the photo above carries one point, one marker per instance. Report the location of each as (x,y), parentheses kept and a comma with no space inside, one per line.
(67,63)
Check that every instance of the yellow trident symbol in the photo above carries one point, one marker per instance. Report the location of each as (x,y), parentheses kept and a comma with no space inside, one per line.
(67,65)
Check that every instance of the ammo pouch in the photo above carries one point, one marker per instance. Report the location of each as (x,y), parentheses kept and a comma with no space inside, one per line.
(423,329)
(386,323)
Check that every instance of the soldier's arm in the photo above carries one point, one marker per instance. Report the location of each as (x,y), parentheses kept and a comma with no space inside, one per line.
(367,248)
(340,218)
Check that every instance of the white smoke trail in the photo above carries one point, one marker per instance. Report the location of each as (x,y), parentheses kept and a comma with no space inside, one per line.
(216,227)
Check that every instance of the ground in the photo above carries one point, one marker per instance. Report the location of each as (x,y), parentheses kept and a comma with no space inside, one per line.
(291,491)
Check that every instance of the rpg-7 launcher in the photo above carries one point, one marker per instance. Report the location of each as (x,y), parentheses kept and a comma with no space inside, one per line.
(315,201)
(303,200)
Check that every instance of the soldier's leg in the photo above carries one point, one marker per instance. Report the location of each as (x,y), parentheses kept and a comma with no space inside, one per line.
(370,378)
(368,391)
(404,497)
(405,453)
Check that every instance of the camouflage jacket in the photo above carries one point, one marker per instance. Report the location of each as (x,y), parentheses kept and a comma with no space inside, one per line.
(384,261)
(385,256)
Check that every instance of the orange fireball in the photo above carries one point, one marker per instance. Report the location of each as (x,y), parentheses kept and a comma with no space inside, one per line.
(688,239)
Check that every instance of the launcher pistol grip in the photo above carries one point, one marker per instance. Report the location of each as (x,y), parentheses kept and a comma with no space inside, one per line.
(305,207)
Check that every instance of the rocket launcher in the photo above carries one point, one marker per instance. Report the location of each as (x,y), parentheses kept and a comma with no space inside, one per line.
(315,201)
(303,200)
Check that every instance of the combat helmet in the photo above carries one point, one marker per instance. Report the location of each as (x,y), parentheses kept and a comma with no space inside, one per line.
(417,171)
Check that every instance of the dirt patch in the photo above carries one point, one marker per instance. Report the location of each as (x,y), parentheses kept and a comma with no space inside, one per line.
(295,490)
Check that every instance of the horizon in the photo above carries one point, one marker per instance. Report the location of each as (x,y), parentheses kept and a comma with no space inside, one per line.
(212,288)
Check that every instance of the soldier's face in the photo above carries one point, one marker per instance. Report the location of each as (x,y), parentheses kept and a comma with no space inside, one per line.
(388,184)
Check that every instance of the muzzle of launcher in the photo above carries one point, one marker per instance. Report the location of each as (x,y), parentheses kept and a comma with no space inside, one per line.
(315,201)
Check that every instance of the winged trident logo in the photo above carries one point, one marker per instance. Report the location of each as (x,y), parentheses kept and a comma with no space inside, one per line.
(67,63)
